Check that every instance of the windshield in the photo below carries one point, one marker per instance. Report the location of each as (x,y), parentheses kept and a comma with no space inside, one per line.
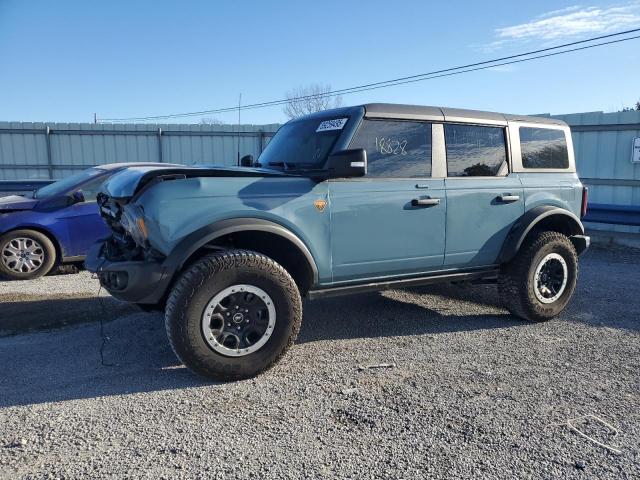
(64,186)
(302,144)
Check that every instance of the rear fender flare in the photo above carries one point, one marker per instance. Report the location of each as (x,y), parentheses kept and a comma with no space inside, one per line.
(527,222)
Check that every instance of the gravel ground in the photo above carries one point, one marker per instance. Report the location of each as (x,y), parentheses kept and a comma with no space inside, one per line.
(475,393)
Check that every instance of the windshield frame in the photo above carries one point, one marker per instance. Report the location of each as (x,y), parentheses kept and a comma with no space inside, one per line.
(69,188)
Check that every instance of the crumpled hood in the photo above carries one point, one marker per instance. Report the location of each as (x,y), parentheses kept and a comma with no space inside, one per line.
(126,183)
(16,202)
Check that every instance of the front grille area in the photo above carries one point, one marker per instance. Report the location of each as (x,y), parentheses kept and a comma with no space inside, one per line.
(114,280)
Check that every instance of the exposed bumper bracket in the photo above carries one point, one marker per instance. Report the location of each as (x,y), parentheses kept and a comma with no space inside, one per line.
(580,242)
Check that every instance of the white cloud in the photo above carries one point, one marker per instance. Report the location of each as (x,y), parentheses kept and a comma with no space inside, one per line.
(571,22)
(554,13)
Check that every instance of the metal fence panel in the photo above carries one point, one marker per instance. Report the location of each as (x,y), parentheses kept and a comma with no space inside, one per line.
(55,150)
(603,145)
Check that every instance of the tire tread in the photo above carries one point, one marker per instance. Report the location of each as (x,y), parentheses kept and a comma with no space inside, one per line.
(512,282)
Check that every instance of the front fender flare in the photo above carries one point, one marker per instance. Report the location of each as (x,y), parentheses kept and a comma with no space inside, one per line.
(528,221)
(198,239)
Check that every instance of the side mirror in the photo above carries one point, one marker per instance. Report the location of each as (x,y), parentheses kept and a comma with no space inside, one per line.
(77,197)
(246,161)
(347,163)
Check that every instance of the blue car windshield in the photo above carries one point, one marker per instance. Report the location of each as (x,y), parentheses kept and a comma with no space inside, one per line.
(302,144)
(66,185)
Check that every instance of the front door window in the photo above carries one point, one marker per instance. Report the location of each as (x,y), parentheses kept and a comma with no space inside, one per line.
(397,149)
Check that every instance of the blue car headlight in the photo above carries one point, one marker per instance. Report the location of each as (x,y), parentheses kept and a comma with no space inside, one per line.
(132,220)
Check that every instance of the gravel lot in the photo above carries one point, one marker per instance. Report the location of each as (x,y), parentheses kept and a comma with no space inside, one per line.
(474,393)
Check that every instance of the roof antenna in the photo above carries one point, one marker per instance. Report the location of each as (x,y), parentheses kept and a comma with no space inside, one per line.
(239,102)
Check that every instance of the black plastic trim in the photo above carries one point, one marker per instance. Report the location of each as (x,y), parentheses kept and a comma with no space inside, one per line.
(146,282)
(198,239)
(527,222)
(487,272)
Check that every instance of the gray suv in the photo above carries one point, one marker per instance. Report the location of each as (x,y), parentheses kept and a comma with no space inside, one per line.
(344,201)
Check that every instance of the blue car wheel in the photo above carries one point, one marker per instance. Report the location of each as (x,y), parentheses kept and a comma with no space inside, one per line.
(25,255)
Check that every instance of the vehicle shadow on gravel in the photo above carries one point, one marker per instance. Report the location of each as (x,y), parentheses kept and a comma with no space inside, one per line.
(65,364)
(20,315)
(416,311)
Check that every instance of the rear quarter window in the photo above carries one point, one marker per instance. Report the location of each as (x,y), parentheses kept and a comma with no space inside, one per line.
(543,148)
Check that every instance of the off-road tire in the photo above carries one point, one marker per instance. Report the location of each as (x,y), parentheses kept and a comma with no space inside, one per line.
(47,246)
(205,279)
(516,280)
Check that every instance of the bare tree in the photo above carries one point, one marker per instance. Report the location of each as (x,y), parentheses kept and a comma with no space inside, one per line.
(313,98)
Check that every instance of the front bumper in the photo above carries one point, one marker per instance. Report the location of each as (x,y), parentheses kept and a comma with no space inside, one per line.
(143,282)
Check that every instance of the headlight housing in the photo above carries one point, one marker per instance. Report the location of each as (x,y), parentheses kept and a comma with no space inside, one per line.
(132,220)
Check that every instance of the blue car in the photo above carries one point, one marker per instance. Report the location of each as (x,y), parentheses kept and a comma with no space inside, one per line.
(54,225)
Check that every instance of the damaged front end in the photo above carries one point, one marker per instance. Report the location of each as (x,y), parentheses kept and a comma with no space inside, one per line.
(125,263)
(129,238)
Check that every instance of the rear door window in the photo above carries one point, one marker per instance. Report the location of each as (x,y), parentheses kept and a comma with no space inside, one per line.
(475,151)
(543,148)
(400,149)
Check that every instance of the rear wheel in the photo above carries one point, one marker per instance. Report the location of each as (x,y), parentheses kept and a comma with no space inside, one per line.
(25,255)
(539,282)
(233,314)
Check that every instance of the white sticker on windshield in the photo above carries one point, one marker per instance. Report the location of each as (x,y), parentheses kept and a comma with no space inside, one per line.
(337,124)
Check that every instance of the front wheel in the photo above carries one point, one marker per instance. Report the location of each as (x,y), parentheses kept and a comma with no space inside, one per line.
(233,314)
(25,255)
(539,282)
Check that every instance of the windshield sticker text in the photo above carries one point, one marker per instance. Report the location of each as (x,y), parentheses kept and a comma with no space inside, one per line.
(337,124)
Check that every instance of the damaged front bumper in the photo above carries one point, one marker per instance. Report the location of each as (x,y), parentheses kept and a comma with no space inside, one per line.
(136,281)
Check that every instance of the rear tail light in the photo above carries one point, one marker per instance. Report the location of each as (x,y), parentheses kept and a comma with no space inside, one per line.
(585,198)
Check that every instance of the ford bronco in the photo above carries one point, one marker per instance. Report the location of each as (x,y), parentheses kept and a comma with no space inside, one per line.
(344,201)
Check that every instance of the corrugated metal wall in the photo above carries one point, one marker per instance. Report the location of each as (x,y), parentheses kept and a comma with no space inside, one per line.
(603,145)
(55,150)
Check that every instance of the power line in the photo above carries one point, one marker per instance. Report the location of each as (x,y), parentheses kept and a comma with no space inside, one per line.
(472,67)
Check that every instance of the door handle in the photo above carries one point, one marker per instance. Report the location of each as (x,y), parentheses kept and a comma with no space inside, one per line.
(508,198)
(425,202)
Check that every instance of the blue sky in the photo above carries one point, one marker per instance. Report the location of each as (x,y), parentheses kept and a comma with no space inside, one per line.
(63,60)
